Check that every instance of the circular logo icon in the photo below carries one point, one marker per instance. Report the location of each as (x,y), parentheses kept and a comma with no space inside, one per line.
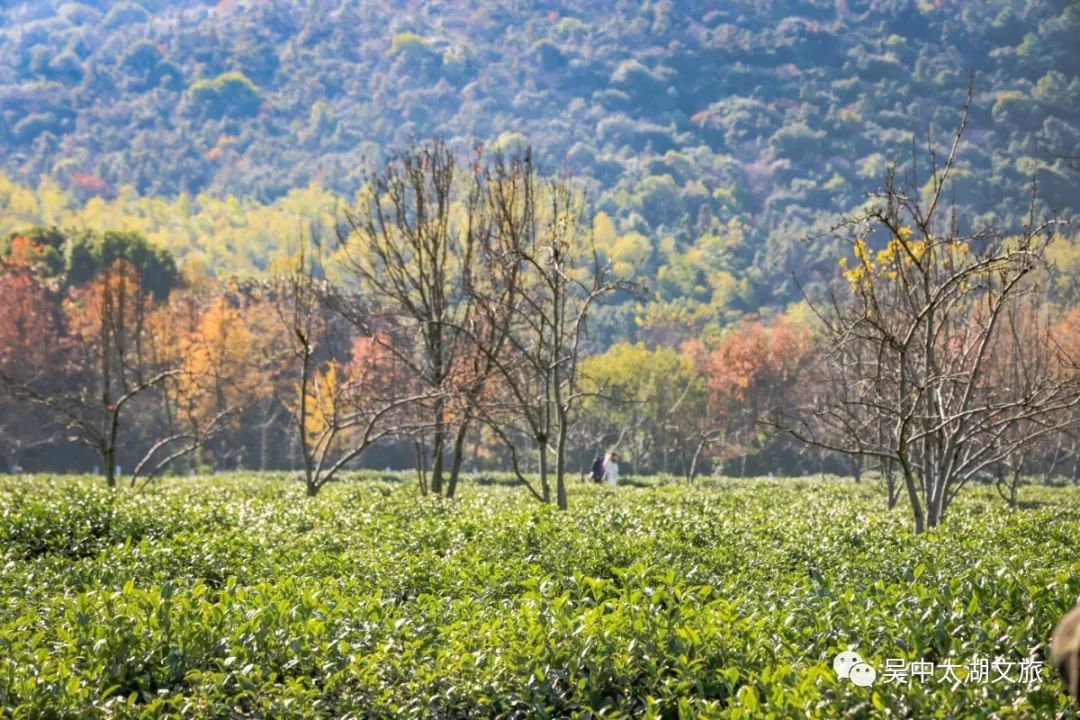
(844,661)
(862,674)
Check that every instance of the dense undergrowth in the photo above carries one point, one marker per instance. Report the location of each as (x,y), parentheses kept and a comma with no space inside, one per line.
(237,597)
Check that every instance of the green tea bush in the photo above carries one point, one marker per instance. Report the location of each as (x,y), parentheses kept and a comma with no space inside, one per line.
(236,596)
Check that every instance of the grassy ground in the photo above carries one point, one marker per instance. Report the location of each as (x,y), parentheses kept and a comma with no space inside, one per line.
(235,596)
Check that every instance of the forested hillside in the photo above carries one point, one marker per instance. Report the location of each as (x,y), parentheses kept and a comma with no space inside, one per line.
(489,358)
(711,137)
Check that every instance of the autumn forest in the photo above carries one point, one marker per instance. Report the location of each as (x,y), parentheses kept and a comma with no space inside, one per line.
(539,358)
(713,190)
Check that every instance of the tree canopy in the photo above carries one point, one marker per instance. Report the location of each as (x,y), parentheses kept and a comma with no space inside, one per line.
(712,137)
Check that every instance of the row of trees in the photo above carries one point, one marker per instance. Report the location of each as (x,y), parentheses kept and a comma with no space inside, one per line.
(459,303)
(449,313)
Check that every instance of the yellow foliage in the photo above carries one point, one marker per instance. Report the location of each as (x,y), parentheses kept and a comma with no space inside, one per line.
(900,254)
(1064,254)
(238,235)
(220,361)
(322,402)
(801,314)
(628,252)
(724,288)
(604,234)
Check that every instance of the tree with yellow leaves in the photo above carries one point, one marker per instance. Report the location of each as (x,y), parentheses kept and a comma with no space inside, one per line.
(339,403)
(913,338)
(223,360)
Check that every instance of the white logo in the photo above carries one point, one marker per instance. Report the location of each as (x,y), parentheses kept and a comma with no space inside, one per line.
(1026,671)
(848,664)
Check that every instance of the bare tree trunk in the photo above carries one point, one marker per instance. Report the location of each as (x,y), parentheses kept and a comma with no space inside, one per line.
(933,511)
(459,453)
(302,420)
(264,431)
(692,470)
(421,466)
(108,456)
(913,497)
(891,489)
(542,462)
(560,467)
(1048,473)
(437,457)
(294,452)
(12,457)
(1008,483)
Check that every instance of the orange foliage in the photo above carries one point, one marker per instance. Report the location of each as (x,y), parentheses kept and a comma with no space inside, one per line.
(24,252)
(221,361)
(1067,335)
(112,308)
(90,184)
(375,374)
(371,363)
(28,335)
(753,359)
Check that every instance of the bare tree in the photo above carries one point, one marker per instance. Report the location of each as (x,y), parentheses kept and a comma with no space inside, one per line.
(108,366)
(539,321)
(407,251)
(1029,356)
(694,445)
(339,406)
(911,340)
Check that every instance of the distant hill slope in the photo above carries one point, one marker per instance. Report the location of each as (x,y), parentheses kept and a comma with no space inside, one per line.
(711,134)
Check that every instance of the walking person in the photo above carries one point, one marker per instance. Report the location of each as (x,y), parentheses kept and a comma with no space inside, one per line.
(611,469)
(597,473)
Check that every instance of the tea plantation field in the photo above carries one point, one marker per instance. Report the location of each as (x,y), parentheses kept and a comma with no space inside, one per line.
(235,596)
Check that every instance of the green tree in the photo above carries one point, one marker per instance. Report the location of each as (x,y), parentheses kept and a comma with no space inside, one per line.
(89,254)
(231,94)
(635,398)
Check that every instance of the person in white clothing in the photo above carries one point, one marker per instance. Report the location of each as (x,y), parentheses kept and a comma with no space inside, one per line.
(611,468)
